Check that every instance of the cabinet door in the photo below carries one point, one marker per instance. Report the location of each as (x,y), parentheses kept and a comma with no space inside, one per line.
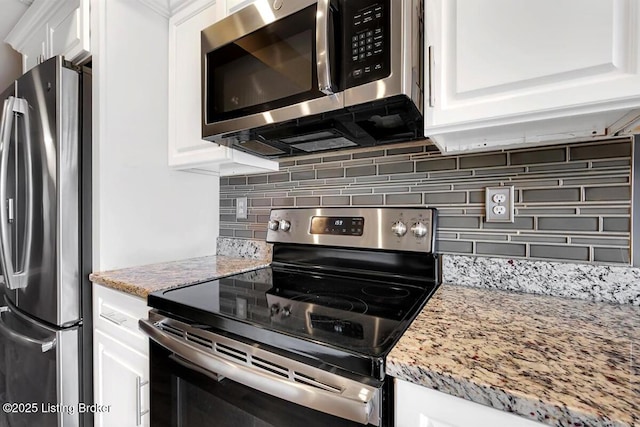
(34,50)
(187,149)
(120,381)
(417,406)
(506,60)
(69,31)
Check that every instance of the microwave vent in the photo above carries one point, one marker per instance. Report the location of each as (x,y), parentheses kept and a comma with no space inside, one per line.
(325,144)
(260,148)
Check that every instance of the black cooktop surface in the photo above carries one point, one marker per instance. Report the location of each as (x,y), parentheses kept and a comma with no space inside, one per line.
(332,313)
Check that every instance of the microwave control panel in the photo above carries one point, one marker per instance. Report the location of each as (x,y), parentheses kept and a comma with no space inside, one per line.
(367,37)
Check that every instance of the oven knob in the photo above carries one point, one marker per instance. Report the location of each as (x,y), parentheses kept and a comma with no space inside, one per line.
(286,311)
(275,309)
(399,229)
(419,229)
(273,225)
(285,225)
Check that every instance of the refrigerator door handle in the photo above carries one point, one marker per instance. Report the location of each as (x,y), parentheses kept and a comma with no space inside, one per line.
(6,331)
(15,279)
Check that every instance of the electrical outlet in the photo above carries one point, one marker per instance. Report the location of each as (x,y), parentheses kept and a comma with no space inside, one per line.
(499,204)
(241,208)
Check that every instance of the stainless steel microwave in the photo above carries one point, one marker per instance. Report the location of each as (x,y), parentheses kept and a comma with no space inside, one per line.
(296,77)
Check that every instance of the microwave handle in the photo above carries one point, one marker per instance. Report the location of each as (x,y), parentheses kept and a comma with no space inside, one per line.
(322,47)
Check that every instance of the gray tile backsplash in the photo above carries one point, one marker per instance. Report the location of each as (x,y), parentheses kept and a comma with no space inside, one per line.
(573,201)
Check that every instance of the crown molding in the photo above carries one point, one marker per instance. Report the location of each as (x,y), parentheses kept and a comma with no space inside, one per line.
(36,16)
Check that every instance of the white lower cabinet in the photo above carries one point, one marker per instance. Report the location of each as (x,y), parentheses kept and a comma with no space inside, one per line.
(120,359)
(417,406)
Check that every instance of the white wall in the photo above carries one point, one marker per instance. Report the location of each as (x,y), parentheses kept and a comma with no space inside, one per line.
(10,60)
(143,211)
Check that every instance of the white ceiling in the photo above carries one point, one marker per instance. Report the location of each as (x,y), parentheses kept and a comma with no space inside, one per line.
(10,67)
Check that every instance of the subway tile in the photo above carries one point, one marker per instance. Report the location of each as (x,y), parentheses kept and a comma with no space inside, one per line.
(300,168)
(601,194)
(257,179)
(616,224)
(259,235)
(393,168)
(332,192)
(611,164)
(559,167)
(404,199)
(336,201)
(263,219)
(600,151)
(474,211)
(224,181)
(483,236)
(518,183)
(278,177)
(551,195)
(338,158)
(596,180)
(611,255)
(357,191)
(512,171)
(456,222)
(282,201)
(454,246)
(359,162)
(506,249)
(519,223)
(545,211)
(301,176)
(228,218)
(287,163)
(476,185)
(389,189)
(226,203)
(538,156)
(405,150)
(361,171)
(605,211)
(226,233)
(340,181)
(436,165)
(450,174)
(330,173)
(571,223)
(367,200)
(300,193)
(446,236)
(447,211)
(600,241)
(538,239)
(248,234)
(368,154)
(307,201)
(483,161)
(259,202)
(445,198)
(476,197)
(430,188)
(577,253)
(407,176)
(310,161)
(238,180)
(371,179)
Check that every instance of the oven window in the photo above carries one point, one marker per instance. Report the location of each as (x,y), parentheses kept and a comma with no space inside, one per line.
(267,69)
(183,397)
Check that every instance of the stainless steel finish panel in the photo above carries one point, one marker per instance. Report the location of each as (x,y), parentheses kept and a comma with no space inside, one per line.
(48,379)
(407,67)
(52,291)
(635,202)
(377,231)
(235,26)
(267,372)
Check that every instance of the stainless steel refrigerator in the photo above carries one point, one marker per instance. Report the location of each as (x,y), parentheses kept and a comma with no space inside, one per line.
(45,232)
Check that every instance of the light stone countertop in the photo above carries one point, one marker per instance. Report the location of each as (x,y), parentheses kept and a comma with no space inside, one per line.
(559,361)
(145,279)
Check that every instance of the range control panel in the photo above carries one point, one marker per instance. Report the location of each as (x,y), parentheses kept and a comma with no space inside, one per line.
(367,36)
(410,229)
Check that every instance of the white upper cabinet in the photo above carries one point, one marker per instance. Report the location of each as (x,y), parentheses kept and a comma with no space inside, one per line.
(187,149)
(50,28)
(538,70)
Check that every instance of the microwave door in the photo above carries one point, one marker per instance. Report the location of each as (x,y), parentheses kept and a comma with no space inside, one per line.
(262,68)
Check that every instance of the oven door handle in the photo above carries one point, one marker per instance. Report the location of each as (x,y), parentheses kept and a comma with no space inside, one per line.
(356,408)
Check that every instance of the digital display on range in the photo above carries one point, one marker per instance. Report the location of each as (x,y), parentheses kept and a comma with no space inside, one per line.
(337,226)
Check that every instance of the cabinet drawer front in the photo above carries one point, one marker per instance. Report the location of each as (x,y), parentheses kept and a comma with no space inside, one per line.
(116,314)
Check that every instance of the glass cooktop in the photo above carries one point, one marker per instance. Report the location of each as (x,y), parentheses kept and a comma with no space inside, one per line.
(354,314)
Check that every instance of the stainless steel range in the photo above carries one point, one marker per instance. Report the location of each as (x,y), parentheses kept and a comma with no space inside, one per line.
(303,341)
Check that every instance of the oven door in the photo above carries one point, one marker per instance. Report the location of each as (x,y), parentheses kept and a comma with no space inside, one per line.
(198,377)
(263,65)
